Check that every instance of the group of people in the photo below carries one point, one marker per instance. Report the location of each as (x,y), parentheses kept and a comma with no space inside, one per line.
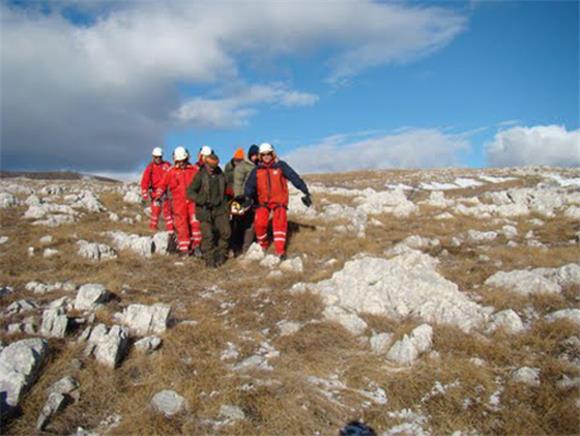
(213,211)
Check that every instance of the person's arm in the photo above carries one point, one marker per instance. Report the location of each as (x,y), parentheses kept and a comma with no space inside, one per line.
(146,183)
(250,187)
(194,188)
(239,175)
(294,178)
(162,186)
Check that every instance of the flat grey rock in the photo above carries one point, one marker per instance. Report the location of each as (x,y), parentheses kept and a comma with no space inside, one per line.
(168,402)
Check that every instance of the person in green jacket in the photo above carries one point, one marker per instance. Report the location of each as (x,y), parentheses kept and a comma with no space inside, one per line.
(208,191)
(243,221)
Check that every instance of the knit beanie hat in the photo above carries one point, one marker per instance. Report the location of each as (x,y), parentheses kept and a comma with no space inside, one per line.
(239,154)
(254,149)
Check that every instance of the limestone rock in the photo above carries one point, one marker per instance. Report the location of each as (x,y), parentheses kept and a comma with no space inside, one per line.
(148,344)
(168,402)
(232,413)
(572,315)
(132,197)
(19,366)
(143,320)
(49,252)
(255,252)
(162,242)
(288,327)
(54,323)
(477,236)
(20,306)
(528,376)
(141,245)
(95,251)
(55,403)
(539,280)
(349,320)
(380,342)
(293,265)
(108,345)
(8,200)
(507,320)
(90,296)
(270,261)
(406,285)
(405,351)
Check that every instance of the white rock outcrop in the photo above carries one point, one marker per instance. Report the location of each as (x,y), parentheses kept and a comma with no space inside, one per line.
(572,315)
(8,200)
(19,366)
(95,251)
(508,320)
(406,350)
(528,376)
(90,296)
(168,402)
(539,280)
(54,323)
(148,344)
(404,286)
(347,318)
(132,197)
(144,320)
(108,345)
(141,245)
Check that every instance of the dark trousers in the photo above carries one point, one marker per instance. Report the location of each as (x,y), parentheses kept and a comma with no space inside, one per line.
(215,235)
(242,232)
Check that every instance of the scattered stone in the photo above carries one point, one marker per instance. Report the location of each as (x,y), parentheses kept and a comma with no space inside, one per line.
(148,344)
(140,245)
(509,232)
(46,240)
(405,351)
(20,306)
(162,242)
(107,345)
(270,261)
(528,376)
(113,217)
(3,240)
(477,236)
(49,252)
(254,253)
(349,320)
(572,315)
(168,402)
(293,265)
(8,200)
(90,296)
(132,197)
(255,362)
(55,403)
(232,413)
(380,342)
(507,320)
(30,251)
(19,366)
(288,327)
(54,323)
(6,290)
(95,251)
(143,320)
(539,280)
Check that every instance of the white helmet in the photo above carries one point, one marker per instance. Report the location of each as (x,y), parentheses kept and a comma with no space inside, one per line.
(180,153)
(266,148)
(157,152)
(205,150)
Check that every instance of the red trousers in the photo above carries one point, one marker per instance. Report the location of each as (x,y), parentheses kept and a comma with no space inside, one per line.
(156,207)
(279,227)
(187,226)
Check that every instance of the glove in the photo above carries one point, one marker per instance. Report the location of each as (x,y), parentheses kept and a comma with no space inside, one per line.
(143,202)
(246,203)
(307,200)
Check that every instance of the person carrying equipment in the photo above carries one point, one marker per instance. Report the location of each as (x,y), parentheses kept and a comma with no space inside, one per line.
(177,179)
(268,183)
(208,191)
(242,213)
(151,179)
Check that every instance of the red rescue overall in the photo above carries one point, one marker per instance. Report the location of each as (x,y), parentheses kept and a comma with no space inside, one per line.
(151,180)
(187,226)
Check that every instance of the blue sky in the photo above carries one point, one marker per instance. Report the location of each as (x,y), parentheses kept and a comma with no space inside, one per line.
(457,83)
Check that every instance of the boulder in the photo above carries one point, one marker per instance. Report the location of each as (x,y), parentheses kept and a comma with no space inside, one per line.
(60,394)
(293,265)
(349,320)
(528,376)
(54,323)
(539,280)
(406,350)
(20,363)
(141,245)
(255,252)
(162,242)
(270,261)
(148,344)
(132,197)
(572,315)
(143,320)
(95,251)
(168,402)
(406,285)
(90,296)
(8,200)
(507,320)
(20,306)
(380,342)
(108,345)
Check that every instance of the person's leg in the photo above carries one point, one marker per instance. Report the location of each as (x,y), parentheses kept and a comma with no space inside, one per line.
(155,212)
(196,233)
(280,226)
(261,226)
(168,215)
(182,228)
(248,227)
(222,225)
(207,246)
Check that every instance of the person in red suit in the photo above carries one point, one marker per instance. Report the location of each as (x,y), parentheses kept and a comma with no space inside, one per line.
(176,180)
(267,184)
(150,181)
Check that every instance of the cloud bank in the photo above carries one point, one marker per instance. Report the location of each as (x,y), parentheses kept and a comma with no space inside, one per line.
(94,95)
(413,148)
(538,145)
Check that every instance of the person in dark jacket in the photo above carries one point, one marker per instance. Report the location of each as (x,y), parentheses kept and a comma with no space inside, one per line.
(243,217)
(267,184)
(207,190)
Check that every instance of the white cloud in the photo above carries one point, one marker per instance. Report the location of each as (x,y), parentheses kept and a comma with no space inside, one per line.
(234,111)
(95,95)
(416,148)
(538,145)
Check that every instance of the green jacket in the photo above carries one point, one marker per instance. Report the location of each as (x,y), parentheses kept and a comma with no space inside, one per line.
(208,192)
(241,173)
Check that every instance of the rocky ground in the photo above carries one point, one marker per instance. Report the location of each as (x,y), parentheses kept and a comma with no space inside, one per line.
(417,301)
